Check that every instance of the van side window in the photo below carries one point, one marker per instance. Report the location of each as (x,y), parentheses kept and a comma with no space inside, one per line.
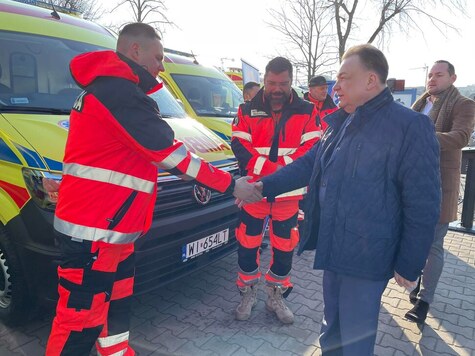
(24,74)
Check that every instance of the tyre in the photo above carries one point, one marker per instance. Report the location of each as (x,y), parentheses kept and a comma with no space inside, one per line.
(14,300)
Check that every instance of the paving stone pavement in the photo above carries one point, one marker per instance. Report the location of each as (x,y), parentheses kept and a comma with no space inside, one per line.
(194,316)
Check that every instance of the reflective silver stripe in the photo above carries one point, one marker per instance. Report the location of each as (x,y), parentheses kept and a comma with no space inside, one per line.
(113,339)
(280,152)
(93,233)
(194,166)
(259,164)
(275,276)
(241,134)
(288,160)
(310,135)
(118,353)
(108,176)
(174,158)
(295,192)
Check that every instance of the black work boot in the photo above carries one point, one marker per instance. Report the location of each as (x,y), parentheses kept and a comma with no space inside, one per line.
(418,314)
(413,295)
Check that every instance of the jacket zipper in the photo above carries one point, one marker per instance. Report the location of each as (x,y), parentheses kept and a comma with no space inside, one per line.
(358,149)
(118,216)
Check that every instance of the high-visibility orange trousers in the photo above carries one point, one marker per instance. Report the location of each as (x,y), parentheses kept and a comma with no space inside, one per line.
(95,288)
(284,237)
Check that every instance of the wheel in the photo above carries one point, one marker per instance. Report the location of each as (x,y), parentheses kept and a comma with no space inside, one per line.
(14,306)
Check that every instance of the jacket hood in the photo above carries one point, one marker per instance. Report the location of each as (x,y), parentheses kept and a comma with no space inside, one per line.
(87,67)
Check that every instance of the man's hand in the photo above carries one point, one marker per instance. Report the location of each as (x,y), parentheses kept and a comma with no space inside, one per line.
(246,192)
(404,282)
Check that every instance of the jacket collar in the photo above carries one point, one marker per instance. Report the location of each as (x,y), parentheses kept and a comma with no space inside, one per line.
(146,82)
(86,68)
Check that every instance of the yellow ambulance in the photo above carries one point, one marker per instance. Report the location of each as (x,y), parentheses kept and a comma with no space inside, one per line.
(36,93)
(207,94)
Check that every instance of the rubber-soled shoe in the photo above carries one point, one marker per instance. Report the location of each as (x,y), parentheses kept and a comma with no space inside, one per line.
(413,295)
(248,301)
(418,313)
(275,303)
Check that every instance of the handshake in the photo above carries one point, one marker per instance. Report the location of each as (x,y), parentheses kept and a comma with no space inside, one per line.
(246,192)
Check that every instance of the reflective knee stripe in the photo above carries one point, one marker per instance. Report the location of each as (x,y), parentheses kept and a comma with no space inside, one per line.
(310,135)
(113,339)
(94,234)
(194,166)
(174,158)
(108,176)
(241,134)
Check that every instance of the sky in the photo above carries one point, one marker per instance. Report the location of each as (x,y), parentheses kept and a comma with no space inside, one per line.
(222,32)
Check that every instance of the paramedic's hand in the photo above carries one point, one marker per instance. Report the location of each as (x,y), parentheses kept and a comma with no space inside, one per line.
(245,191)
(409,285)
(51,187)
(258,190)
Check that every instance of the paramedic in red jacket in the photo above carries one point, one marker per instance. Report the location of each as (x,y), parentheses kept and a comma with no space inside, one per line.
(116,141)
(272,130)
(318,95)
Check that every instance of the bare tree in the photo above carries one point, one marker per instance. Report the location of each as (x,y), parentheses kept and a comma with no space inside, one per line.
(152,12)
(89,9)
(404,13)
(305,24)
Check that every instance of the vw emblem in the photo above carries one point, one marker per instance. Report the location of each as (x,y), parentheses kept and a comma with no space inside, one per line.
(201,194)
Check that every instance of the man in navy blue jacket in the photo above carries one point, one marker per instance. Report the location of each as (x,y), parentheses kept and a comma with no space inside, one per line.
(373,201)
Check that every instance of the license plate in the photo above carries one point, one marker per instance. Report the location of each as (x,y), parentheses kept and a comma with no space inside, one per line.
(203,245)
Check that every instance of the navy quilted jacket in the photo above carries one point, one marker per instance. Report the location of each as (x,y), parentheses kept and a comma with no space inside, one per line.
(382,197)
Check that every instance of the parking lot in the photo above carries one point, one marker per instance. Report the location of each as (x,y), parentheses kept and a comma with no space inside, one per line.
(194,316)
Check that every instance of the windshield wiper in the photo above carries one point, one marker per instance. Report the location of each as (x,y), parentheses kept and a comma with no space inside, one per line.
(34,109)
(211,114)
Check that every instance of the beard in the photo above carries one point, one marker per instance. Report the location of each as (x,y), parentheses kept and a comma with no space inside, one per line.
(278,97)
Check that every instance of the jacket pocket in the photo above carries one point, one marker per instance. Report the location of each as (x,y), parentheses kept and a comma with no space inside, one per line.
(366,249)
(119,215)
(370,161)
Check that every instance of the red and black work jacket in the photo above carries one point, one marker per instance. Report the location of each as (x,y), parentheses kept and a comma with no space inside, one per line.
(324,108)
(263,140)
(117,139)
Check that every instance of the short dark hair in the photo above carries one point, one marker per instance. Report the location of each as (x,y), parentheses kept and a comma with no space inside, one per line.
(450,65)
(372,58)
(248,86)
(279,65)
(139,29)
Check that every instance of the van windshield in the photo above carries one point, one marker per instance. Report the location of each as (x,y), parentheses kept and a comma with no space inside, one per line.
(35,77)
(210,96)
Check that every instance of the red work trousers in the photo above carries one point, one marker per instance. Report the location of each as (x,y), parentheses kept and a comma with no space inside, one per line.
(284,237)
(95,288)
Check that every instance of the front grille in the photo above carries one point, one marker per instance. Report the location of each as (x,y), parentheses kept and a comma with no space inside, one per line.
(175,196)
(160,264)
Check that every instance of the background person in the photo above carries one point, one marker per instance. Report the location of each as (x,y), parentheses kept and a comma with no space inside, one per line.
(453,116)
(249,90)
(318,95)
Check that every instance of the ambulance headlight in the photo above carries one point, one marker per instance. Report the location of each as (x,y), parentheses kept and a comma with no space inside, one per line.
(43,187)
